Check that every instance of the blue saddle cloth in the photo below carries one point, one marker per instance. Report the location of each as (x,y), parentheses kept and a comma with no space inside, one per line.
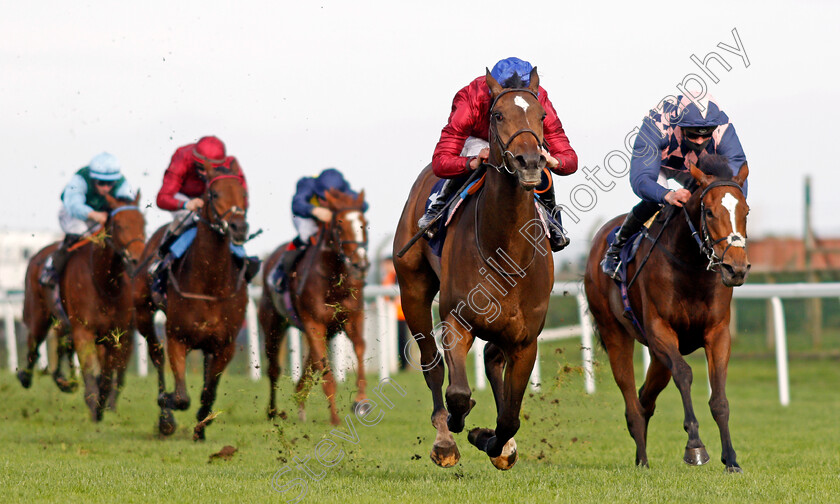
(179,248)
(280,285)
(628,253)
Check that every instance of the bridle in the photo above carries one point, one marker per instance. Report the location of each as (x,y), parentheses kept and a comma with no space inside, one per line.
(707,244)
(334,231)
(494,131)
(218,223)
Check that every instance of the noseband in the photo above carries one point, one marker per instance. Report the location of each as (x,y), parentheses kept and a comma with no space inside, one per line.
(494,132)
(707,245)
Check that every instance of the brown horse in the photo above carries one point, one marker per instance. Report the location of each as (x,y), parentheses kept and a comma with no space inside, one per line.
(494,277)
(681,303)
(326,291)
(95,296)
(206,298)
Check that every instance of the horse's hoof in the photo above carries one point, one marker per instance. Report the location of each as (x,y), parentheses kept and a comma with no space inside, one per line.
(198,434)
(508,457)
(302,415)
(696,456)
(445,455)
(362,408)
(65,385)
(25,378)
(480,438)
(734,469)
(166,423)
(271,413)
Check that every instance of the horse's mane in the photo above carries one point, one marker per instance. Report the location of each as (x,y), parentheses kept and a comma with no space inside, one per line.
(337,200)
(514,81)
(715,165)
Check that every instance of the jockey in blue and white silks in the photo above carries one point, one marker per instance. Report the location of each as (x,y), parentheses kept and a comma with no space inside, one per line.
(673,136)
(306,212)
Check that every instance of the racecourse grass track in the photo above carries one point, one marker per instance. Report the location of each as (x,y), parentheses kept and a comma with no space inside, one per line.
(573,447)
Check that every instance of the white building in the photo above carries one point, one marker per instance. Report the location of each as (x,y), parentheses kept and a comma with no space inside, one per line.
(16,248)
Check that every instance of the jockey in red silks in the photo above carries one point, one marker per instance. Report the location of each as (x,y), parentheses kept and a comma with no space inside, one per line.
(184,183)
(463,143)
(673,136)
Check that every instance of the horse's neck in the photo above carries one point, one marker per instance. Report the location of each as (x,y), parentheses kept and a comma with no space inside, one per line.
(506,209)
(679,241)
(107,267)
(211,253)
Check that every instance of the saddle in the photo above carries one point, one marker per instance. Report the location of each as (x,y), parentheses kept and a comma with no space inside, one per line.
(436,242)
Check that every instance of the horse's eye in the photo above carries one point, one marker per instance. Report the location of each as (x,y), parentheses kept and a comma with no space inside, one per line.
(213,195)
(543,117)
(498,116)
(709,214)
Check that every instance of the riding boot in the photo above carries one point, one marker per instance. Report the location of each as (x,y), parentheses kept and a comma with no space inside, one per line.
(556,234)
(55,263)
(436,206)
(611,260)
(287,265)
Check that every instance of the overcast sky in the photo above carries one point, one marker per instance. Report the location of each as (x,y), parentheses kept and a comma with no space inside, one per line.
(294,87)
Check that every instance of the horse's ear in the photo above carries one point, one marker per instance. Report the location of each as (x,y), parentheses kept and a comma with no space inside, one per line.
(495,87)
(360,199)
(534,84)
(742,175)
(137,198)
(699,176)
(112,201)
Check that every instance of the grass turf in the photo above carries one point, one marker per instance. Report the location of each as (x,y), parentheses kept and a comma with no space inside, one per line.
(572,446)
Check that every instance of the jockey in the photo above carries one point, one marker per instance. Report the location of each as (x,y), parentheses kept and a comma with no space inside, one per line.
(463,143)
(306,211)
(184,183)
(668,142)
(85,207)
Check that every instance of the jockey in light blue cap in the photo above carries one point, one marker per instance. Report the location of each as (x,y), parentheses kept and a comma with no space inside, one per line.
(84,206)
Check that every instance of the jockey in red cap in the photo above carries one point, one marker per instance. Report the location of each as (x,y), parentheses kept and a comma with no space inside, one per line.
(184,183)
(463,143)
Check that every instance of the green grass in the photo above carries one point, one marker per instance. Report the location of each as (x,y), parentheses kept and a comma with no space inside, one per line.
(573,447)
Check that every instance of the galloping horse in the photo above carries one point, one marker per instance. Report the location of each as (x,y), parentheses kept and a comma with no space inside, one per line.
(681,300)
(95,292)
(494,276)
(326,292)
(206,298)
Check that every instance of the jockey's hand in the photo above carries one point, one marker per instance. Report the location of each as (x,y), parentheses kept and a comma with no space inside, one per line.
(551,162)
(483,155)
(100,217)
(678,197)
(322,214)
(194,204)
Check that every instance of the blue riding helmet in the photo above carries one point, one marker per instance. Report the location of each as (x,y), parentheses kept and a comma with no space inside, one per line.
(105,166)
(504,70)
(330,178)
(690,116)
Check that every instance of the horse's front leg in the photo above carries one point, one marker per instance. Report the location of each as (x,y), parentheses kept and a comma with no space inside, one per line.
(717,354)
(214,366)
(456,345)
(664,343)
(84,342)
(499,443)
(354,328)
(179,399)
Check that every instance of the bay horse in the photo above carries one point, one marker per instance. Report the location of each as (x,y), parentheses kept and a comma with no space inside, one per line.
(681,299)
(96,301)
(495,275)
(326,292)
(206,298)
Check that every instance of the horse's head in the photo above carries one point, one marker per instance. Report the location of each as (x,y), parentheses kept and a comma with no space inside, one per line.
(348,227)
(126,228)
(516,130)
(723,213)
(226,202)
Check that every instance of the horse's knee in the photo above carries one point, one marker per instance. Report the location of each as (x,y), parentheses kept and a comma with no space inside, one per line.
(457,400)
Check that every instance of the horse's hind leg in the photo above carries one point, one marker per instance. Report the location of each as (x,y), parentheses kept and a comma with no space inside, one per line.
(656,380)
(214,365)
(274,328)
(316,334)
(64,352)
(665,346)
(144,319)
(122,357)
(717,354)
(39,327)
(83,342)
(494,368)
(499,443)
